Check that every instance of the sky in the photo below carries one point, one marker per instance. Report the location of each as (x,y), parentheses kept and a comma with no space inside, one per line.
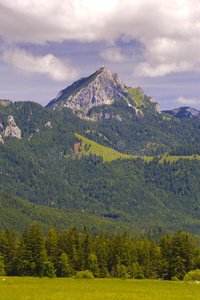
(46,45)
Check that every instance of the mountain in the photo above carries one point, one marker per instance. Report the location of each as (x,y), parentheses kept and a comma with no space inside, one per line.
(101,88)
(122,113)
(110,166)
(184,112)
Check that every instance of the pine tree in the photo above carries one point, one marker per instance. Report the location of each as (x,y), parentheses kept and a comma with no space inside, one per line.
(144,256)
(93,264)
(102,252)
(182,254)
(166,254)
(8,249)
(63,268)
(86,247)
(70,243)
(155,260)
(2,266)
(51,245)
(21,260)
(35,250)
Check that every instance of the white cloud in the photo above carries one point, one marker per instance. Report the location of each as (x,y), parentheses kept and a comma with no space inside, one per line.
(187,101)
(168,30)
(113,54)
(53,20)
(54,67)
(158,70)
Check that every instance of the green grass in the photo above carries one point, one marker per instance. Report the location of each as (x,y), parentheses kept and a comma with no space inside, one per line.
(175,158)
(137,97)
(108,154)
(166,118)
(16,288)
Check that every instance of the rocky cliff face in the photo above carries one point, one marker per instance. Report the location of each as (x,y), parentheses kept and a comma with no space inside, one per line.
(1,139)
(99,89)
(11,129)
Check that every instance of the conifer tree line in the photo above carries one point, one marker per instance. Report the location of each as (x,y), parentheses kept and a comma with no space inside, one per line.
(63,254)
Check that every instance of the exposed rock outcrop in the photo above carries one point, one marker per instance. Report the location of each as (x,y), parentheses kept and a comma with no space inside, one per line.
(48,124)
(1,128)
(99,116)
(152,100)
(1,139)
(5,102)
(12,129)
(157,108)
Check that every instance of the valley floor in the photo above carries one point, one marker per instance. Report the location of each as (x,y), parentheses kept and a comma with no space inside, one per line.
(16,288)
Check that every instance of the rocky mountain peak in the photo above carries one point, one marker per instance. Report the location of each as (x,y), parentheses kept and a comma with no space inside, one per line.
(98,89)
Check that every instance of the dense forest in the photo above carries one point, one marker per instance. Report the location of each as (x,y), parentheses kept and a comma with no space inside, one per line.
(65,253)
(185,150)
(128,192)
(44,179)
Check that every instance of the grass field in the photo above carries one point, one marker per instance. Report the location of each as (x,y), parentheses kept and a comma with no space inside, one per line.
(175,158)
(109,154)
(23,288)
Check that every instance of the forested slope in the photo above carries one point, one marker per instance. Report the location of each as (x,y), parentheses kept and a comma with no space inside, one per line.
(44,168)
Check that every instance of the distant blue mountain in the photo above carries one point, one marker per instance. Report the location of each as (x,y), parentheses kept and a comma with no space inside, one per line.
(184,112)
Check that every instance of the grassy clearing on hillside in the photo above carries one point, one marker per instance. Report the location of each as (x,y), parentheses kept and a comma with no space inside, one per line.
(108,154)
(137,97)
(166,118)
(175,158)
(15,288)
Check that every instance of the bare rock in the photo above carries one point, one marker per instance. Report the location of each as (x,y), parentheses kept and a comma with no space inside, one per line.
(117,117)
(12,129)
(1,128)
(5,102)
(100,88)
(157,108)
(1,139)
(152,100)
(48,124)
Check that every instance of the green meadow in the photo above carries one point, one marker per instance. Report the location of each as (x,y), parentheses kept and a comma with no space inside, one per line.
(109,154)
(33,288)
(175,158)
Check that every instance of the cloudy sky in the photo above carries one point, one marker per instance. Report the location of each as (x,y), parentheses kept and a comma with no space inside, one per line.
(46,45)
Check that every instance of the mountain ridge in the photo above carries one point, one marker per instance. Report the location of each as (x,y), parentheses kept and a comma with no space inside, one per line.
(184,112)
(100,88)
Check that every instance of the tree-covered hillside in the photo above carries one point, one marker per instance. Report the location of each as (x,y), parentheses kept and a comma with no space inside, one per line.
(46,167)
(152,133)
